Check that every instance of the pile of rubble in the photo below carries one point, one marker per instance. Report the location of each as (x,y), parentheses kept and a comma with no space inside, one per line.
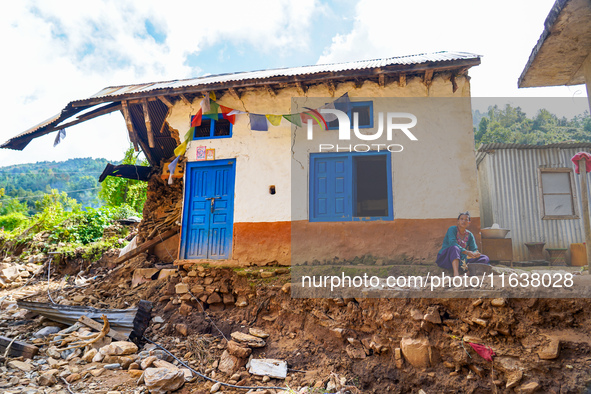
(13,274)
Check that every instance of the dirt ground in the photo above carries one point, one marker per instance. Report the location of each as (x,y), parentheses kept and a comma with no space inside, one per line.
(365,345)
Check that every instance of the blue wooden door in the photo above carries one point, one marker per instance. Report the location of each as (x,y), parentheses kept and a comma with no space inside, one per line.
(208,218)
(331,188)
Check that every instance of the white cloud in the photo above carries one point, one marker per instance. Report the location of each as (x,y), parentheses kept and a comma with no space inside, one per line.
(504,32)
(60,51)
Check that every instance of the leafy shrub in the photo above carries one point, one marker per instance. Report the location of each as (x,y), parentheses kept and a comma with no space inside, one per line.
(12,220)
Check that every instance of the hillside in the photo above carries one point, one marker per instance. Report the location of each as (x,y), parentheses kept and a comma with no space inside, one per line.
(29,182)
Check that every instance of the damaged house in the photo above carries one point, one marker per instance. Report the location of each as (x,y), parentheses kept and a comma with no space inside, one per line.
(250,177)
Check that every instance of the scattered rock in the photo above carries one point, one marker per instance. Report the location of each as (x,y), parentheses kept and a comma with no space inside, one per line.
(228,363)
(416,314)
(433,317)
(135,373)
(513,378)
(73,377)
(46,331)
(257,332)
(89,355)
(235,349)
(214,298)
(550,351)
(97,372)
(355,352)
(528,388)
(416,351)
(267,274)
(25,367)
(147,362)
(47,379)
(498,302)
(181,329)
(215,388)
(241,301)
(248,339)
(286,288)
(53,352)
(181,288)
(163,380)
(119,348)
(268,367)
(158,319)
(112,366)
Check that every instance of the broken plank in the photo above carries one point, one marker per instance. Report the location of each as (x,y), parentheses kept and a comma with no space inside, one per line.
(148,123)
(129,123)
(166,101)
(98,326)
(18,348)
(147,245)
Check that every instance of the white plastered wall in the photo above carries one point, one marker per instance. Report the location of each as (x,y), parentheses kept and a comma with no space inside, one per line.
(434,177)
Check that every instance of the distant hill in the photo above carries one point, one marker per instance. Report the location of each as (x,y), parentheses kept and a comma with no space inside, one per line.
(77,177)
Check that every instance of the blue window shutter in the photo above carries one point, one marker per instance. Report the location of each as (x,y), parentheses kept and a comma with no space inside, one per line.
(332,189)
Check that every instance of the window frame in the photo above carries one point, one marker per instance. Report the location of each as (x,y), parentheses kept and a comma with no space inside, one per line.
(541,194)
(212,128)
(354,104)
(351,183)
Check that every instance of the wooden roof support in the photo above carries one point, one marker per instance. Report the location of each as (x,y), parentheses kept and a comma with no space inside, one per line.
(358,82)
(164,122)
(402,80)
(454,85)
(301,88)
(165,101)
(428,78)
(148,123)
(271,91)
(185,99)
(89,115)
(381,80)
(130,129)
(331,88)
(234,93)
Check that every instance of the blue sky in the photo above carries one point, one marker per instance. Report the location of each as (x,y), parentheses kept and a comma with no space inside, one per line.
(65,50)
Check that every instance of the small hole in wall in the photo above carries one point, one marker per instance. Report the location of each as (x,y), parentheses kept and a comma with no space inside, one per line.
(272,189)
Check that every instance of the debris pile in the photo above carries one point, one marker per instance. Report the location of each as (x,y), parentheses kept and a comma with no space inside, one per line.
(162,210)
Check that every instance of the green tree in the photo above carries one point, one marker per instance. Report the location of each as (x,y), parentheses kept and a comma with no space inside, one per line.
(116,192)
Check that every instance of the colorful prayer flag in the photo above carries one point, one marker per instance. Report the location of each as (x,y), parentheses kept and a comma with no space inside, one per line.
(485,352)
(226,114)
(61,134)
(318,118)
(196,121)
(275,120)
(213,111)
(258,122)
(172,169)
(296,119)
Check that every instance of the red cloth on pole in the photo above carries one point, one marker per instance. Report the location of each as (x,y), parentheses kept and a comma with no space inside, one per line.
(579,156)
(485,352)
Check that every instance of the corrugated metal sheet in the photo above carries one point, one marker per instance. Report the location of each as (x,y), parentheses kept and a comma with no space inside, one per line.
(510,178)
(287,72)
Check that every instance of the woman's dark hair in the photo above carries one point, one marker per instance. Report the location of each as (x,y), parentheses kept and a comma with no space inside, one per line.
(464,213)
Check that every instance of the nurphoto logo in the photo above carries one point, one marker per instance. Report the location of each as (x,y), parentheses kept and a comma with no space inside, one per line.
(345,131)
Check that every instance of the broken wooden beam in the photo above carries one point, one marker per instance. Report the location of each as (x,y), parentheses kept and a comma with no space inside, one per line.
(185,99)
(147,245)
(17,348)
(123,320)
(402,80)
(148,123)
(129,123)
(98,326)
(166,101)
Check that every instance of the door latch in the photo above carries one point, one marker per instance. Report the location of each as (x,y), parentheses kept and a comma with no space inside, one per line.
(212,199)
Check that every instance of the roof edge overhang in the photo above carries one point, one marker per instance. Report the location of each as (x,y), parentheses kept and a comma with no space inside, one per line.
(75,107)
(557,57)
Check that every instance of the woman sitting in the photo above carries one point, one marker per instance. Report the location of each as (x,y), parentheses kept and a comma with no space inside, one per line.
(459,247)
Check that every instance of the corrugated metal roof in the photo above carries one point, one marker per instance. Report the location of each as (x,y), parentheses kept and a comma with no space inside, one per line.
(566,144)
(287,72)
(484,148)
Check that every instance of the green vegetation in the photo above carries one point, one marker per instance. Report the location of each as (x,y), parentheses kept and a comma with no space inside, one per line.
(55,221)
(120,191)
(511,125)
